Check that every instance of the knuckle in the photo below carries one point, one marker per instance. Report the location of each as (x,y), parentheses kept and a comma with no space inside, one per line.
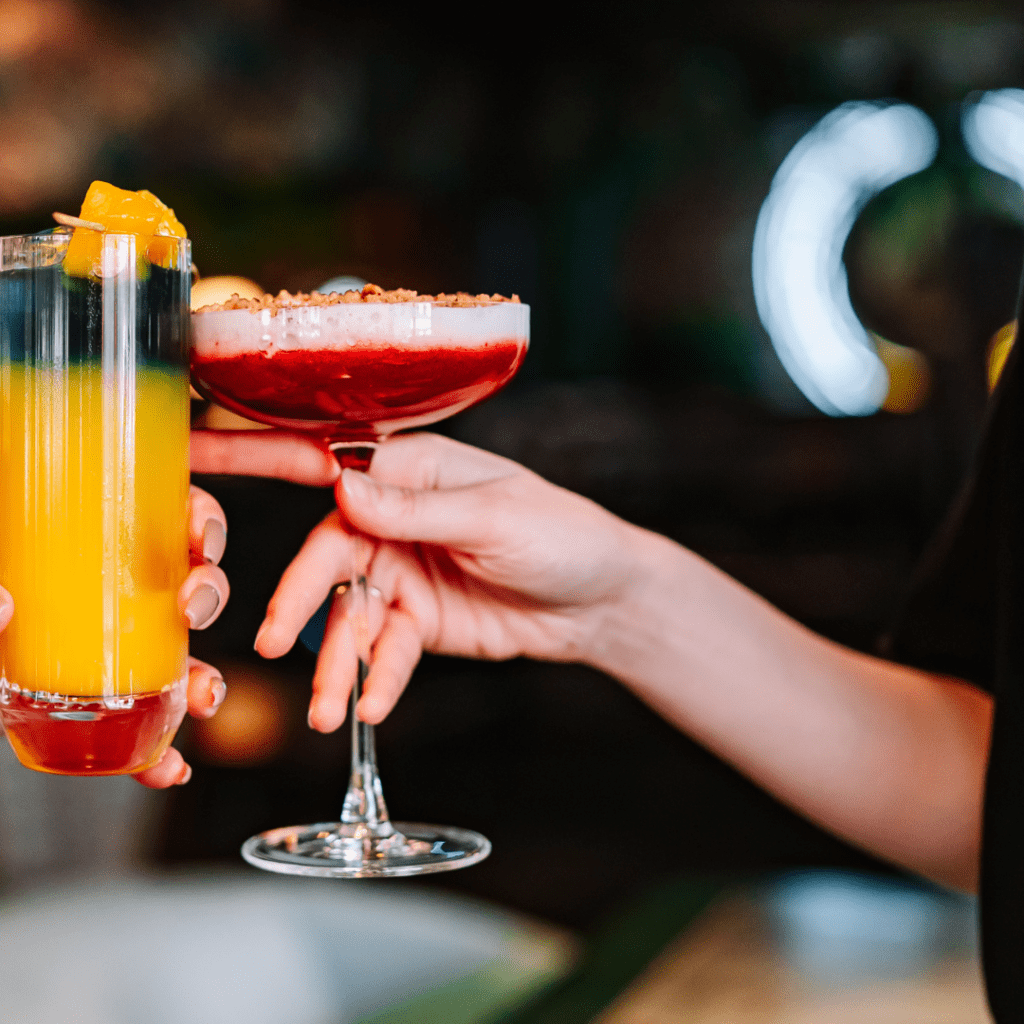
(397,502)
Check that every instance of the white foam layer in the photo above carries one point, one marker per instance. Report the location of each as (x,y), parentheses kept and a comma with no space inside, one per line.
(233,332)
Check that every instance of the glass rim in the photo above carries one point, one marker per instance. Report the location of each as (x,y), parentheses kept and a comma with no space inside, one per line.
(369,306)
(61,229)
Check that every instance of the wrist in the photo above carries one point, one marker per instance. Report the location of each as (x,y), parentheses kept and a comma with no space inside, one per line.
(642,618)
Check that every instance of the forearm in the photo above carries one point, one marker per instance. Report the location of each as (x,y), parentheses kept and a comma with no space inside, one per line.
(890,758)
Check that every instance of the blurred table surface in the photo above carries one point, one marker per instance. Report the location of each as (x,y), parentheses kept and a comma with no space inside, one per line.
(730,968)
(807,947)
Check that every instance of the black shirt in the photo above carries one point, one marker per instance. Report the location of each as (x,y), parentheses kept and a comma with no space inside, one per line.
(965,617)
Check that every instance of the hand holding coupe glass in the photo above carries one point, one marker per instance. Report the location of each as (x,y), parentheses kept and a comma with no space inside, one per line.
(476,556)
(349,370)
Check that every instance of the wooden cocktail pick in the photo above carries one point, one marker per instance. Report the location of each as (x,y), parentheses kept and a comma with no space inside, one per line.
(76,222)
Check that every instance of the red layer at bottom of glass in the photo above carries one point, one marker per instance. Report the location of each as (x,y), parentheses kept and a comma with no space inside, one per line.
(68,735)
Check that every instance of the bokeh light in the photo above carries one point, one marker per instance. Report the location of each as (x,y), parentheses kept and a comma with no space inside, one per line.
(993,128)
(209,290)
(800,282)
(998,352)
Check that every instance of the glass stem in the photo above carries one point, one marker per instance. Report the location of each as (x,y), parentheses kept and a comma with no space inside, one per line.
(364,806)
(364,801)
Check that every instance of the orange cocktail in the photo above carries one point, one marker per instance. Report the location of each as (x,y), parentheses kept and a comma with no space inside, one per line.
(94,421)
(97,642)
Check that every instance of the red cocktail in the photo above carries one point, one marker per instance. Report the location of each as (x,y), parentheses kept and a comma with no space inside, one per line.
(357,371)
(350,371)
(362,393)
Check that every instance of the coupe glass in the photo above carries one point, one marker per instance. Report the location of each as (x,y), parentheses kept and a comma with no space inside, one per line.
(350,374)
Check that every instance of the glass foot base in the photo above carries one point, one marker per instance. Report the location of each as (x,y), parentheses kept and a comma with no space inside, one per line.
(332,850)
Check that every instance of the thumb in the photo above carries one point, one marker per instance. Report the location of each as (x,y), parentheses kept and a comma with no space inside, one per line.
(456,517)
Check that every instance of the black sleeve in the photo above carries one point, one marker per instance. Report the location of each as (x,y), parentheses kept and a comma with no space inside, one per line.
(949,622)
(965,616)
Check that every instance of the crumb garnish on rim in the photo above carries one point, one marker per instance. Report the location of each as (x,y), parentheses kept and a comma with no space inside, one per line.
(369,293)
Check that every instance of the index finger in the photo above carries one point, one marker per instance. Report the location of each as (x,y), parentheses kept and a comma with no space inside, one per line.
(270,453)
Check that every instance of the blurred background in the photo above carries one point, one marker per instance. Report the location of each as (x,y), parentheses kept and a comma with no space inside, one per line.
(642,182)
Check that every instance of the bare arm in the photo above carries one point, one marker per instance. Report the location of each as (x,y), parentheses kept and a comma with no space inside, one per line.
(479,557)
(890,758)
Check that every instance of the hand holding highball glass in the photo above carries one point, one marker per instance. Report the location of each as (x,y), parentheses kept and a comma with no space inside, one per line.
(351,370)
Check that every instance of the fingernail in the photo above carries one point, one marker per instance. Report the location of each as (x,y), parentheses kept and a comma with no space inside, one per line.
(218,691)
(201,606)
(357,485)
(315,728)
(185,776)
(264,629)
(215,540)
(328,710)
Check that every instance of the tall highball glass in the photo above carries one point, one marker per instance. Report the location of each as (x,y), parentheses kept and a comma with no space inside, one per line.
(94,423)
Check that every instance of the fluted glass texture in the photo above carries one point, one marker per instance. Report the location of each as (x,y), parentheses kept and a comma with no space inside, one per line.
(93,501)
